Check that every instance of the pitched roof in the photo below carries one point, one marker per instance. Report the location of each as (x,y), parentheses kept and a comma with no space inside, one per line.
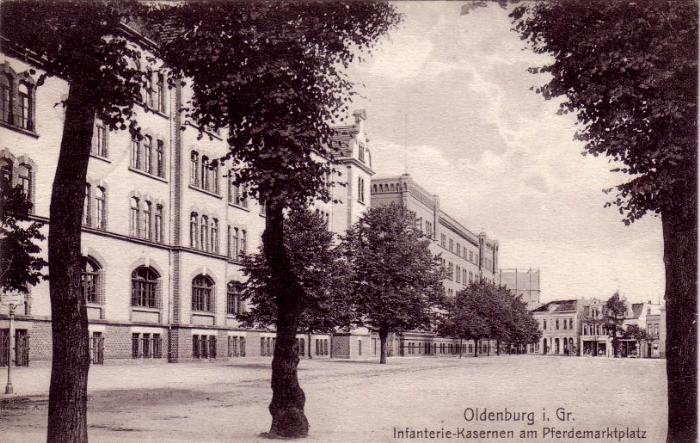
(558,306)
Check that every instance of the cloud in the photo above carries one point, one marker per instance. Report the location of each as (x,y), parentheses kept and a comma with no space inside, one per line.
(500,158)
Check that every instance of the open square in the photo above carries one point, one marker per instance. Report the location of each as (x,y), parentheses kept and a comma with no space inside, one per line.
(353,401)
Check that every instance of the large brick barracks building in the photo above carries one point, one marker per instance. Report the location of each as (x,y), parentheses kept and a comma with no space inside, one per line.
(164,228)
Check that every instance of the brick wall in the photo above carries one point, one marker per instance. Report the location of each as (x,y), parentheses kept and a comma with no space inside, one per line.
(40,341)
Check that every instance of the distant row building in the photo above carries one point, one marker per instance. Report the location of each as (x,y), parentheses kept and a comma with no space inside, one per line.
(576,327)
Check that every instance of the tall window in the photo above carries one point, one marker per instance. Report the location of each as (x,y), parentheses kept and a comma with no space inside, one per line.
(215,235)
(87,219)
(160,167)
(144,285)
(194,168)
(361,189)
(149,89)
(234,304)
(101,208)
(135,153)
(6,98)
(204,230)
(361,152)
(148,154)
(214,177)
(158,225)
(134,217)
(237,195)
(193,230)
(99,144)
(202,294)
(6,171)
(25,103)
(146,223)
(244,242)
(205,172)
(160,92)
(90,280)
(233,245)
(24,175)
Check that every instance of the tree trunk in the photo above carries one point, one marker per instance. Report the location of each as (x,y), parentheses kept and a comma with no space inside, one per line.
(67,417)
(310,346)
(460,347)
(287,405)
(476,347)
(383,334)
(498,347)
(680,259)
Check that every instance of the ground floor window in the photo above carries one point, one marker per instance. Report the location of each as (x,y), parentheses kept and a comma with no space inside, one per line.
(301,346)
(21,347)
(267,346)
(321,346)
(236,346)
(146,345)
(204,346)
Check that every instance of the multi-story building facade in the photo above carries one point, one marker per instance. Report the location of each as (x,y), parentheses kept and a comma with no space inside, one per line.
(560,325)
(164,227)
(577,327)
(524,283)
(467,256)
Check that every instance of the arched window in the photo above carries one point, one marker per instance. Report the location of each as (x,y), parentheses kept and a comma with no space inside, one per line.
(204,237)
(234,303)
(101,208)
(160,167)
(214,177)
(25,107)
(194,168)
(144,287)
(134,217)
(193,230)
(202,294)
(136,160)
(24,175)
(214,235)
(90,283)
(158,225)
(87,207)
(99,145)
(6,171)
(146,222)
(234,247)
(148,154)
(205,172)
(244,242)
(6,98)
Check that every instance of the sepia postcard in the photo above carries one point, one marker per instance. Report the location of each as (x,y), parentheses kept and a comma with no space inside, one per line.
(353,221)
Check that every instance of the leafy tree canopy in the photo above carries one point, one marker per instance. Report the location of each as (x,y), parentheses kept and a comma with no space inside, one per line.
(321,269)
(397,281)
(272,73)
(20,267)
(628,70)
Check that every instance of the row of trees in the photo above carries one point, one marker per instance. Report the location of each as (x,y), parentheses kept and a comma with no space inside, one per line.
(381,274)
(485,311)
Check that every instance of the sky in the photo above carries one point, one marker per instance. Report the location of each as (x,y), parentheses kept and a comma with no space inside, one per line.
(448,99)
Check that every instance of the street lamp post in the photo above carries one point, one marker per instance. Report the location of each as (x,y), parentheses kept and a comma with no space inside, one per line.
(8,387)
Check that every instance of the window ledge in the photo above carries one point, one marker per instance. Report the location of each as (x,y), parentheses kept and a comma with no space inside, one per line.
(19,129)
(204,191)
(204,313)
(144,309)
(99,157)
(144,173)
(243,208)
